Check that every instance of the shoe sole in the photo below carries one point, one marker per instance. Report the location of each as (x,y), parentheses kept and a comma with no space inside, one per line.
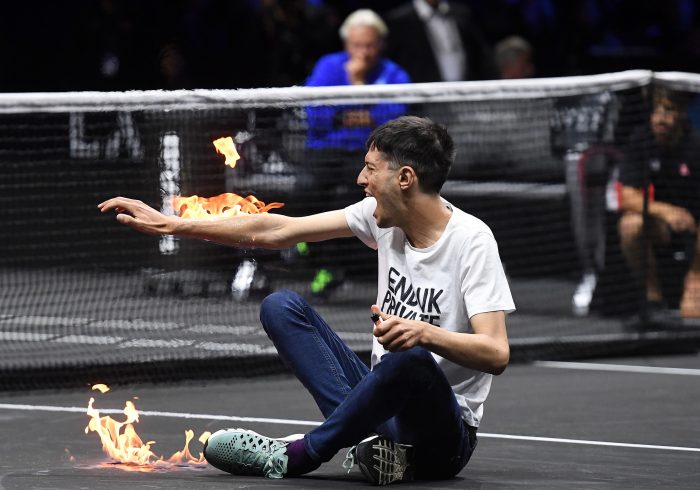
(383,461)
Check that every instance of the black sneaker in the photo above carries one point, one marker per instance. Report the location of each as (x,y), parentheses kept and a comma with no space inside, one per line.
(381,460)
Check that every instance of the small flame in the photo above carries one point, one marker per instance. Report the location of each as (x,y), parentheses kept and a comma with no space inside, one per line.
(123,445)
(185,455)
(226,147)
(103,388)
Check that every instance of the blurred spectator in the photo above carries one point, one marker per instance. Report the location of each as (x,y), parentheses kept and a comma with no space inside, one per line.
(173,68)
(514,58)
(337,134)
(552,28)
(670,171)
(436,40)
(361,63)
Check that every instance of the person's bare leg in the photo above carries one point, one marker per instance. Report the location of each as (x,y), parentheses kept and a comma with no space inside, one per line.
(630,227)
(690,301)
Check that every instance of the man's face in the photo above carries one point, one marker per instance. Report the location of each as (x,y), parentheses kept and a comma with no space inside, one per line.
(364,44)
(381,182)
(665,120)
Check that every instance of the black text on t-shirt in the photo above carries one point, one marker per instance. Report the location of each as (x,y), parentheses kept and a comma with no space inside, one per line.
(404,300)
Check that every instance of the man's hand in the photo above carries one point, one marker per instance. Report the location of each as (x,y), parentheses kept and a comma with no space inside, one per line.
(139,216)
(679,219)
(357,68)
(397,334)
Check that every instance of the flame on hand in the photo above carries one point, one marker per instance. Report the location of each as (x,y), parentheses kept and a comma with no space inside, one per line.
(226,204)
(221,206)
(123,445)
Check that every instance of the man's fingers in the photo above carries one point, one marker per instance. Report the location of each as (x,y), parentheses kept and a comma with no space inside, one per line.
(109,203)
(388,337)
(376,311)
(395,342)
(126,219)
(116,203)
(683,225)
(378,317)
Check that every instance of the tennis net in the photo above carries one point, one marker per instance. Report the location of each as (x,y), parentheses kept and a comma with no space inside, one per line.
(86,300)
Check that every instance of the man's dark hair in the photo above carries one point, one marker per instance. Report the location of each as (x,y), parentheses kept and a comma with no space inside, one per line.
(678,98)
(418,143)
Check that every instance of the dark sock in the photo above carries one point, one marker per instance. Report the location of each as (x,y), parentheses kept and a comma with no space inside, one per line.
(298,460)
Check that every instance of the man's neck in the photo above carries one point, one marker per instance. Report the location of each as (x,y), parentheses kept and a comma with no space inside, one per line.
(427,219)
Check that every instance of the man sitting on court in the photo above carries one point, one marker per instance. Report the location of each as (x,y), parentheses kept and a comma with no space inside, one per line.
(440,320)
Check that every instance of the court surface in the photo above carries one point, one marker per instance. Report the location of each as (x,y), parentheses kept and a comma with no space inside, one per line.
(614,423)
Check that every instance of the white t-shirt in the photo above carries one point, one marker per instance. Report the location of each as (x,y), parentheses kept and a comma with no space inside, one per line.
(445,284)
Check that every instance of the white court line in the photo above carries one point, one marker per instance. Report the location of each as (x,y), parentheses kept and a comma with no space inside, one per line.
(617,367)
(47,408)
(591,443)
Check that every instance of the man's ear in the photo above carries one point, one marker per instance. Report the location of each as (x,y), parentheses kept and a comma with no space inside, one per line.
(407,177)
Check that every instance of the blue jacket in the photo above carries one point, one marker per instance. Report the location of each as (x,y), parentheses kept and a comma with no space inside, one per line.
(325,129)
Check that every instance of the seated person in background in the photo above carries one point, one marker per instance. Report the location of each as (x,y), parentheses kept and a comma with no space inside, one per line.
(514,58)
(671,169)
(336,136)
(347,127)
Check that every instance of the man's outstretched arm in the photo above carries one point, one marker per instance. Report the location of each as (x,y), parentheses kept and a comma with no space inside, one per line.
(270,231)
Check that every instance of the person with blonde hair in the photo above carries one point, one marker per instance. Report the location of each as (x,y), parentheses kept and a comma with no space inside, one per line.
(361,63)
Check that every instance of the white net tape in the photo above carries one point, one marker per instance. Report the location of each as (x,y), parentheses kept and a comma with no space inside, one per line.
(296,96)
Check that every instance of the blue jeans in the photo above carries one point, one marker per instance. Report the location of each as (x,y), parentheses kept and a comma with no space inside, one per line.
(406,397)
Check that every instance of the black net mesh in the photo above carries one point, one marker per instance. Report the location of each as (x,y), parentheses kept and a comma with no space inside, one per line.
(85,299)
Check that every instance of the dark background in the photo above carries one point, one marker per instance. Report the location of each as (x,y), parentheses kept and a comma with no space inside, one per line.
(170,44)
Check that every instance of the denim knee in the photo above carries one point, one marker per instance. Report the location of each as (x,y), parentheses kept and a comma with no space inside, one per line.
(417,356)
(277,306)
(417,363)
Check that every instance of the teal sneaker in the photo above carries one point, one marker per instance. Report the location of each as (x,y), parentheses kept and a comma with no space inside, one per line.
(244,452)
(381,460)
